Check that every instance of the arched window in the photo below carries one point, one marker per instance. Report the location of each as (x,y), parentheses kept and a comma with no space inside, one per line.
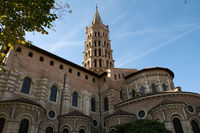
(154,89)
(19,49)
(95,52)
(142,89)
(106,104)
(2,122)
(98,33)
(133,93)
(65,130)
(177,125)
(95,33)
(121,95)
(95,43)
(81,131)
(100,63)
(24,125)
(49,130)
(53,93)
(41,59)
(26,85)
(99,52)
(95,63)
(93,105)
(164,87)
(51,63)
(75,99)
(99,43)
(195,126)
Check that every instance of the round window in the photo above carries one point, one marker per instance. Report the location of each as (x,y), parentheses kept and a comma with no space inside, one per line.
(141,113)
(94,122)
(52,114)
(190,108)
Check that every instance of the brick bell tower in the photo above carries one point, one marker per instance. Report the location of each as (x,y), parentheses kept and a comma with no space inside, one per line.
(98,54)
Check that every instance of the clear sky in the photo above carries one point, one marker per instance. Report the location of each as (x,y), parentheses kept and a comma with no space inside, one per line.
(143,33)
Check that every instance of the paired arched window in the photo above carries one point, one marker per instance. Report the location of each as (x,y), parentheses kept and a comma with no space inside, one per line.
(75,99)
(49,129)
(154,89)
(164,87)
(142,89)
(26,85)
(65,130)
(133,93)
(177,125)
(24,125)
(81,131)
(106,104)
(53,93)
(195,126)
(2,123)
(93,105)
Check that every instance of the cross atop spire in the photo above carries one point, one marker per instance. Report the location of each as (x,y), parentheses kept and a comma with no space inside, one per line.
(97,18)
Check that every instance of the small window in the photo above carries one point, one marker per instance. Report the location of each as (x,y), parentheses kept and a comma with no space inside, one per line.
(154,89)
(65,130)
(119,76)
(115,77)
(81,131)
(19,49)
(142,89)
(41,59)
(51,63)
(177,125)
(104,79)
(93,80)
(133,93)
(121,95)
(141,114)
(30,54)
(86,76)
(70,70)
(94,122)
(61,67)
(164,87)
(51,114)
(78,74)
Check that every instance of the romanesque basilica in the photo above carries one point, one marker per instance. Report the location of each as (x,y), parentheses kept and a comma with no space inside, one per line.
(43,93)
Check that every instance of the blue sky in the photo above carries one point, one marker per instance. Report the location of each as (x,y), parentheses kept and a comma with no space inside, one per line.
(143,33)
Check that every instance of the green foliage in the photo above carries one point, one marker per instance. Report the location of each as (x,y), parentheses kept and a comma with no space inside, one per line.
(20,16)
(141,126)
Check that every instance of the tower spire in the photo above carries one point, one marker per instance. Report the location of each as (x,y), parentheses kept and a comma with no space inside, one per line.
(97,18)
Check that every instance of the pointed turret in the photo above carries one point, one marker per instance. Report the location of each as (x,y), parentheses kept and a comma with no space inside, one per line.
(97,18)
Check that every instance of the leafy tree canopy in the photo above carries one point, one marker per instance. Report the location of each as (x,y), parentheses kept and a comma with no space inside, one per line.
(20,16)
(141,126)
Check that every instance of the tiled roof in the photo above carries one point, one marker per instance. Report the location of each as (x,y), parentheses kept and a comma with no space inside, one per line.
(76,113)
(120,112)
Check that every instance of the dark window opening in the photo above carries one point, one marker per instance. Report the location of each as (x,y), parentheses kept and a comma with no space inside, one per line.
(94,122)
(78,74)
(104,79)
(41,59)
(65,131)
(19,49)
(70,70)
(93,80)
(75,99)
(24,125)
(53,94)
(142,89)
(154,89)
(81,131)
(164,87)
(106,108)
(177,125)
(121,95)
(195,126)
(49,130)
(119,76)
(93,105)
(51,63)
(61,67)
(115,77)
(30,54)
(26,85)
(86,76)
(133,93)
(2,123)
